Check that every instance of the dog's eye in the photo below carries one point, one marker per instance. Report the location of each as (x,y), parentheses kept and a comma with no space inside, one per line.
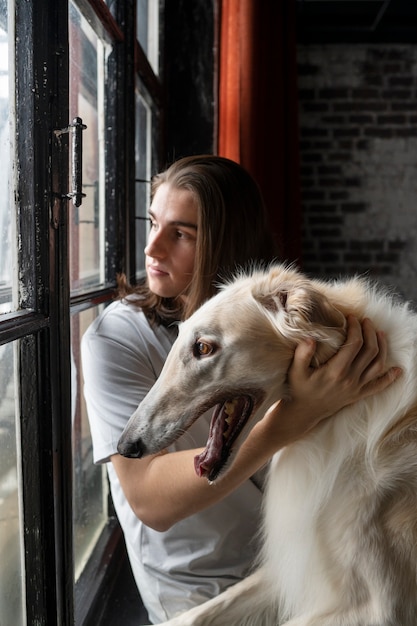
(201,348)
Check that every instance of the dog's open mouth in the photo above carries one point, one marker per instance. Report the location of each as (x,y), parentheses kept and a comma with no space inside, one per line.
(226,424)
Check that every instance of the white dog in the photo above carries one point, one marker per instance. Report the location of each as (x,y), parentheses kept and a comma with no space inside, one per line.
(340,529)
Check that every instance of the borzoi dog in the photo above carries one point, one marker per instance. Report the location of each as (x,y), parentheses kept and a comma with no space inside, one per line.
(340,519)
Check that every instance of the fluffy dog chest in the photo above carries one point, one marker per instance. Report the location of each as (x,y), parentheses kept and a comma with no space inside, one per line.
(307,508)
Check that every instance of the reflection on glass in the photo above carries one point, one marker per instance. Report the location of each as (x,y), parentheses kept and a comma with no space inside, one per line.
(142,174)
(89,480)
(6,208)
(11,575)
(87,71)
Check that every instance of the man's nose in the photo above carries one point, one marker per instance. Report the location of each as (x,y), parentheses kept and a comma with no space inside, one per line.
(155,246)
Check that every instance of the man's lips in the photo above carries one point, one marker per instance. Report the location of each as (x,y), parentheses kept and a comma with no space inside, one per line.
(153,270)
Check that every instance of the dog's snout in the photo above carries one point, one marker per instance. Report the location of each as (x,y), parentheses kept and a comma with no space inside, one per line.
(131,449)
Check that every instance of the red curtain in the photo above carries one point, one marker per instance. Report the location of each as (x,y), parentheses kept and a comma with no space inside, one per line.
(258,122)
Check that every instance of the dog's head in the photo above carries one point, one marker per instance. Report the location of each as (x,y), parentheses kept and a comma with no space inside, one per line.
(233,353)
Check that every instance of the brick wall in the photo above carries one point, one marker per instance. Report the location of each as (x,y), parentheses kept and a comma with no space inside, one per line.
(358,141)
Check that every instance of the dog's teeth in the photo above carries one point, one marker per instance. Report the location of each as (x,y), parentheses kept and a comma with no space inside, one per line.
(228,420)
(229,406)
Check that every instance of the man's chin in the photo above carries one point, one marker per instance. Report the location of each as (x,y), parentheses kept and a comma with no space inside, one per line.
(164,288)
(160,286)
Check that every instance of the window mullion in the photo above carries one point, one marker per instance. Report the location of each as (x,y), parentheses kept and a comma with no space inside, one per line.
(58,341)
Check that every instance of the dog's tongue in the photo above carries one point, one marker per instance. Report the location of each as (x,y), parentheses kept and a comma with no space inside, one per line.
(205,461)
(222,426)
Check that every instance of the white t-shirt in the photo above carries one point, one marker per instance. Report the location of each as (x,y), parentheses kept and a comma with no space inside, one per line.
(199,557)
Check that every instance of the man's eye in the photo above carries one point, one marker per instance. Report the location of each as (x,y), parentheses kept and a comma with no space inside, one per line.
(201,348)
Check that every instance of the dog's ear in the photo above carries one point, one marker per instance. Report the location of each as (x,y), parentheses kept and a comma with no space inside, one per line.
(301,311)
(305,305)
(271,302)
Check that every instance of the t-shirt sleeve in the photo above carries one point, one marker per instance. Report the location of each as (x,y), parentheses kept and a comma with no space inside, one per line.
(121,360)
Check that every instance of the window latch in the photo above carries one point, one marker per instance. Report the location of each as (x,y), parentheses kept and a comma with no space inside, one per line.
(76,129)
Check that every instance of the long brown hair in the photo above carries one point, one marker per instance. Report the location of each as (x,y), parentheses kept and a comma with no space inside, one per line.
(232,232)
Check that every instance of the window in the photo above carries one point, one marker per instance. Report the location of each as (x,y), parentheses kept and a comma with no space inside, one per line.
(143,133)
(6,214)
(148,99)
(89,54)
(147,29)
(66,229)
(88,63)
(11,569)
(12,596)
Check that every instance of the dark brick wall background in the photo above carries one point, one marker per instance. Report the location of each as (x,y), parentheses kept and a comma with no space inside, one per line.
(358,141)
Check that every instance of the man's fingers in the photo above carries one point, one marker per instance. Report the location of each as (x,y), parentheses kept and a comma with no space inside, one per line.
(369,352)
(348,353)
(303,356)
(377,365)
(361,361)
(379,384)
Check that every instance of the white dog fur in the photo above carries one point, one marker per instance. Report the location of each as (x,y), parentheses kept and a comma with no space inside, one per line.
(340,519)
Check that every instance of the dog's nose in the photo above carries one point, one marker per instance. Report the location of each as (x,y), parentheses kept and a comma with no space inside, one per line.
(130,449)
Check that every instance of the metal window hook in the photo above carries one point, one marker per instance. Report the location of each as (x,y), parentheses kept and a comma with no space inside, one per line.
(76,129)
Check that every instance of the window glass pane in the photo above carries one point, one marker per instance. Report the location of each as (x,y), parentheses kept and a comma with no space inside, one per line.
(89,480)
(143,130)
(88,54)
(6,206)
(147,30)
(11,568)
